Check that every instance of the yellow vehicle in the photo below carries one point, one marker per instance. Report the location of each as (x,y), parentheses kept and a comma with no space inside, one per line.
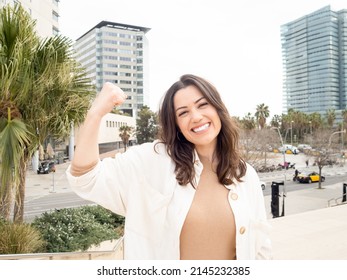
(309,177)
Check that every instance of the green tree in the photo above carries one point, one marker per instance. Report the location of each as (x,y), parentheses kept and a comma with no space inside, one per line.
(331,116)
(276,121)
(344,124)
(146,125)
(43,90)
(344,117)
(125,133)
(261,114)
(248,122)
(316,121)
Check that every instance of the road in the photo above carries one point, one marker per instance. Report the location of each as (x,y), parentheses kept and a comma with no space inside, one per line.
(50,202)
(36,206)
(295,186)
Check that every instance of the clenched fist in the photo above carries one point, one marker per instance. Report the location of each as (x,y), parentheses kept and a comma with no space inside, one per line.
(109,97)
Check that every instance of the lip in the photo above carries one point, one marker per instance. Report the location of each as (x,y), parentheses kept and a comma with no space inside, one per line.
(203,127)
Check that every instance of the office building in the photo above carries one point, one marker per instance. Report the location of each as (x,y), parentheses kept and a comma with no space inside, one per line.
(117,53)
(314,52)
(45,12)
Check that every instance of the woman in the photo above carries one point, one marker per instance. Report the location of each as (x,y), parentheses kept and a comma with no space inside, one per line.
(188,195)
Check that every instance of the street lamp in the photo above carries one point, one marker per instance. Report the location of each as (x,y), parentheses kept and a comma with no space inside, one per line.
(336,132)
(285,168)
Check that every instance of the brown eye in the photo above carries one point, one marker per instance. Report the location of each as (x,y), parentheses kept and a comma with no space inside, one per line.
(182,113)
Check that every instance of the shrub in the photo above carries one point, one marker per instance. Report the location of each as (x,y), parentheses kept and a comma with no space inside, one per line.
(104,216)
(74,229)
(19,238)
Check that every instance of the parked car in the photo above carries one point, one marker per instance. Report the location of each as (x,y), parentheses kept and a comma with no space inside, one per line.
(309,177)
(46,167)
(263,185)
(303,147)
(289,149)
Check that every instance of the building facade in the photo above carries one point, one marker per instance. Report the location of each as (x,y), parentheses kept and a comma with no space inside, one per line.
(314,52)
(45,12)
(108,135)
(117,53)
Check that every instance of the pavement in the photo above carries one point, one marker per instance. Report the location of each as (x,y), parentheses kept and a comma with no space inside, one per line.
(314,225)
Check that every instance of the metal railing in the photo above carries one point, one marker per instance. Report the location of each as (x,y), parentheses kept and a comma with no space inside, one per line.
(335,200)
(117,253)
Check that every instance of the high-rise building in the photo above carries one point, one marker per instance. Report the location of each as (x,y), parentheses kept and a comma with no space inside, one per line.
(45,12)
(314,51)
(117,53)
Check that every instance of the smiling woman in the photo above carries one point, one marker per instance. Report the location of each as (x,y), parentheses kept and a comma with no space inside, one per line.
(188,195)
(197,119)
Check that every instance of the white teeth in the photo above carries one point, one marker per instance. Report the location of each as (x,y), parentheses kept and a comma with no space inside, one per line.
(201,128)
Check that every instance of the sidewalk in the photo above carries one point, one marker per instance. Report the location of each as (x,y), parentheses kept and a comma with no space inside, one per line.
(313,235)
(309,229)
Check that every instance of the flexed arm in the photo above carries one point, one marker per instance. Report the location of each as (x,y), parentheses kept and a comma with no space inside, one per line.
(86,154)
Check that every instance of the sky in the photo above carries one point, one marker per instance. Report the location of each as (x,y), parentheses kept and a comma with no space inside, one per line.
(236,45)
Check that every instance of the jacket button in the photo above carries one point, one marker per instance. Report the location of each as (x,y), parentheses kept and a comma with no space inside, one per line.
(234,196)
(242,230)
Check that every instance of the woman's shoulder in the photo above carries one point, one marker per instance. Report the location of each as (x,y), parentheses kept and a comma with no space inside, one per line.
(250,171)
(251,176)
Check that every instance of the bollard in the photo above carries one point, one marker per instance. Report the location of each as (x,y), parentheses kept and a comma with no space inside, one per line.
(275,200)
(344,191)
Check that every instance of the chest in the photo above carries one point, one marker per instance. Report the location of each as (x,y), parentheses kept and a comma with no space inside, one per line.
(208,231)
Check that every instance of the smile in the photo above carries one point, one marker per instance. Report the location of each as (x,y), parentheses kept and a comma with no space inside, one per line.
(201,128)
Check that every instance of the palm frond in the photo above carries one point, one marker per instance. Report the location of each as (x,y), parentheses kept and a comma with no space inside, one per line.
(14,138)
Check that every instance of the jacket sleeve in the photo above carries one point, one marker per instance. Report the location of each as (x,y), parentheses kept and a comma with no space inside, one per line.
(109,182)
(261,226)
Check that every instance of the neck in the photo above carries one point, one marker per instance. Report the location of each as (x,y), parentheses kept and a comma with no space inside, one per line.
(207,157)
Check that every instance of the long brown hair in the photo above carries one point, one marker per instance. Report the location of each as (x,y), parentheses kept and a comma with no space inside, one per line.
(230,164)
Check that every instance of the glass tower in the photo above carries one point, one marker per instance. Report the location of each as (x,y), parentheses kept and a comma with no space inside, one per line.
(314,52)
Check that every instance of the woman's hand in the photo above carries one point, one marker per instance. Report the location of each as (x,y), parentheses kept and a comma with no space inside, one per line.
(109,97)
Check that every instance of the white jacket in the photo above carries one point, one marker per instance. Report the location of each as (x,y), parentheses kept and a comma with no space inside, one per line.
(141,185)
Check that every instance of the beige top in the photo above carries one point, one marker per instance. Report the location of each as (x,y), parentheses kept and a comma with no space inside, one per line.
(209,228)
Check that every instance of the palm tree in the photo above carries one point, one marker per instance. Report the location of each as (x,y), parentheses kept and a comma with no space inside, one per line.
(276,121)
(125,133)
(262,113)
(344,117)
(43,90)
(331,116)
(344,125)
(316,120)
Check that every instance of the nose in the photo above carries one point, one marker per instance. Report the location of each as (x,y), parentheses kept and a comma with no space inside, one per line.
(196,115)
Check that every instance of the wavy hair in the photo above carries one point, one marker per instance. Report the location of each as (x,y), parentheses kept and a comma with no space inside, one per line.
(230,164)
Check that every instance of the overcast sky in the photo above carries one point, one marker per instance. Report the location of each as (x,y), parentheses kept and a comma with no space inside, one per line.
(234,44)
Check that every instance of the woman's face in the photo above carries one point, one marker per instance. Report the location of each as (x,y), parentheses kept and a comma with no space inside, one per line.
(196,118)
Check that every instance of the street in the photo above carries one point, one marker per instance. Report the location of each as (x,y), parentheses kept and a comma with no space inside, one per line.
(50,191)
(51,201)
(295,186)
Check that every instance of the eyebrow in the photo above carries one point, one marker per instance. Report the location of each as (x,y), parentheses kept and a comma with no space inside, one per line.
(183,107)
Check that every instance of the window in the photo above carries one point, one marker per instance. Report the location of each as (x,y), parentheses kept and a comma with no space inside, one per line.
(55,31)
(55,16)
